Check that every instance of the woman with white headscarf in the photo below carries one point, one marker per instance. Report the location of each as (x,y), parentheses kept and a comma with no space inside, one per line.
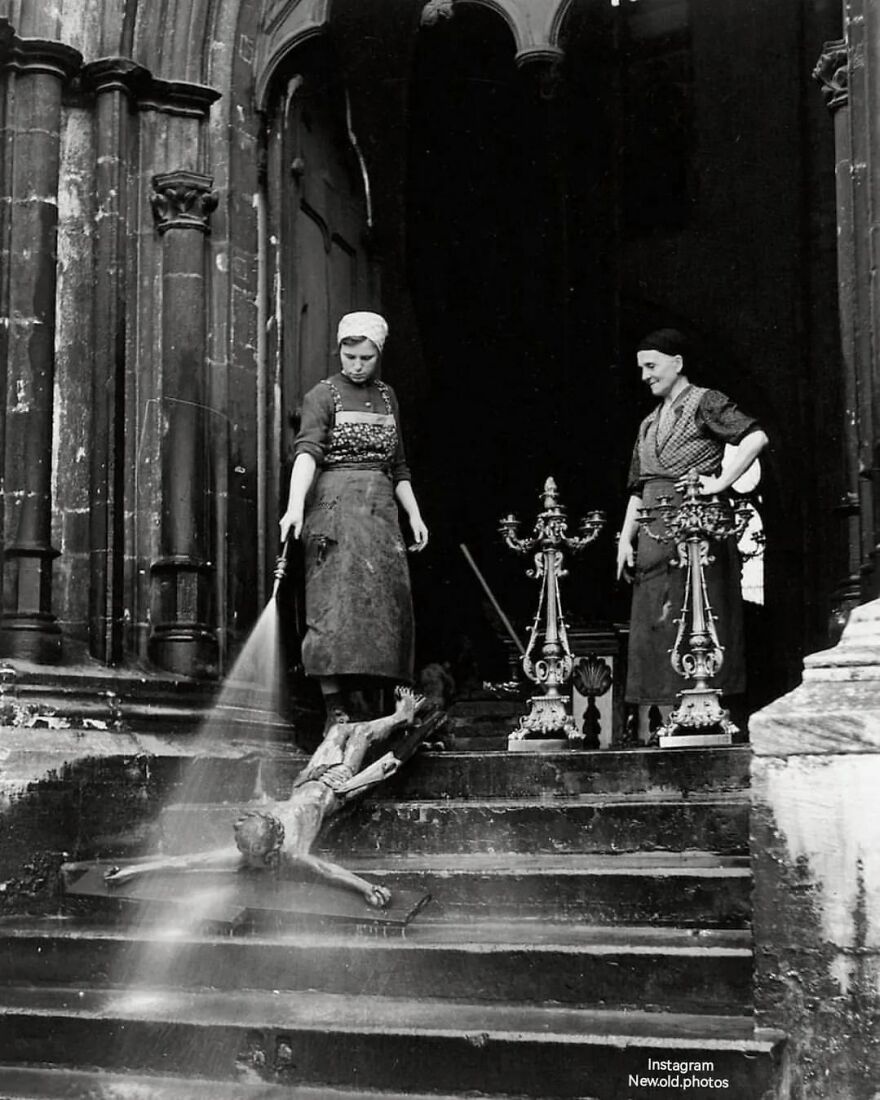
(349,475)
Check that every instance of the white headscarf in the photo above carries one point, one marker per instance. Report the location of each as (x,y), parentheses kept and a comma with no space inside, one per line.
(368,326)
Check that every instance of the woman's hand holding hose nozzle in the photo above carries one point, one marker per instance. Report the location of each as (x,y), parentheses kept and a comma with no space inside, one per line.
(291,525)
(281,566)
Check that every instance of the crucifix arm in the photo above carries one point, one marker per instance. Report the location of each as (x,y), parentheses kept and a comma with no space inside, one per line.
(371,776)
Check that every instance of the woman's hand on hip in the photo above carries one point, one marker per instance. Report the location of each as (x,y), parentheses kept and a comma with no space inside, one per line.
(291,524)
(420,534)
(626,560)
(709,486)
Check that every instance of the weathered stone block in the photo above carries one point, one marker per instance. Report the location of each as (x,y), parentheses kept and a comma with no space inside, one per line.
(815,841)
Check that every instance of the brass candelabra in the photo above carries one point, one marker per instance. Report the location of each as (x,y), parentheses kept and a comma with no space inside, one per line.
(549,719)
(696,655)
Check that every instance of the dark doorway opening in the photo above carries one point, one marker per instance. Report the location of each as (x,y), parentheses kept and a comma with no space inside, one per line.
(509,238)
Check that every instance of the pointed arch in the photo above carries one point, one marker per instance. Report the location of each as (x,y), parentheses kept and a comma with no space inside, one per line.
(535,24)
(285,26)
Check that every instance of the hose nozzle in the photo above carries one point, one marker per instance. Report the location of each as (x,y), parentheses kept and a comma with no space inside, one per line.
(280,568)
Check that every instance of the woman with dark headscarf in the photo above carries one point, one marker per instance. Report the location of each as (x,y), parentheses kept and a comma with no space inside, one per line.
(349,475)
(687,431)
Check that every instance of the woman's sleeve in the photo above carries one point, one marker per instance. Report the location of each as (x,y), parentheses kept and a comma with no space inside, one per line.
(399,469)
(634,477)
(720,418)
(316,422)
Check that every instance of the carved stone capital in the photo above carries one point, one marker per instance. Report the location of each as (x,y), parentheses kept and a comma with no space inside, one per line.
(183,200)
(435,11)
(115,74)
(39,55)
(831,72)
(175,97)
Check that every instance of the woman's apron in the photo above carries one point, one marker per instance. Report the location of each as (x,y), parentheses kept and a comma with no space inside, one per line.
(666,453)
(359,618)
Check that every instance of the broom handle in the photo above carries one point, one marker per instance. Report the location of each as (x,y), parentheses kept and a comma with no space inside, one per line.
(504,619)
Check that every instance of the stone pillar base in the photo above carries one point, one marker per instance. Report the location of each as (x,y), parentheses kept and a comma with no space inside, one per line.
(28,629)
(182,640)
(185,652)
(35,639)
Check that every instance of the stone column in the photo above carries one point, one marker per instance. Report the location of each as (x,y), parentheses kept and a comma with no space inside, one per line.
(863,29)
(7,39)
(182,637)
(37,71)
(856,244)
(831,72)
(114,81)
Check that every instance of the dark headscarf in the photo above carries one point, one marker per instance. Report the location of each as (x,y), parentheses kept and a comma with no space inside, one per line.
(669,341)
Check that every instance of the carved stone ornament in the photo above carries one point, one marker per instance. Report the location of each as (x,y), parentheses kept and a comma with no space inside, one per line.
(183,200)
(435,11)
(831,72)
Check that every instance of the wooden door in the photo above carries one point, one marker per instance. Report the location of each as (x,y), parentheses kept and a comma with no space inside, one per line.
(326,270)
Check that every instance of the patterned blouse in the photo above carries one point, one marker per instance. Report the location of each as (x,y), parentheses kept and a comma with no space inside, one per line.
(689,433)
(345,424)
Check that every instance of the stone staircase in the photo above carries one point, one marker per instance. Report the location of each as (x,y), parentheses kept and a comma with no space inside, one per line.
(589,917)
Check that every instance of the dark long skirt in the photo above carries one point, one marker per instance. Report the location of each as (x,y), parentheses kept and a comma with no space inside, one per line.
(359,618)
(658,595)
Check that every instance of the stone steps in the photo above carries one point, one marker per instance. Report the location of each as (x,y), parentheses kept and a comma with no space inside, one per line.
(590,912)
(32,1083)
(687,889)
(717,821)
(665,969)
(466,775)
(678,889)
(433,1045)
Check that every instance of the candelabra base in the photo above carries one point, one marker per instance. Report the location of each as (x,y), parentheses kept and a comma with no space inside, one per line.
(538,744)
(679,740)
(699,721)
(548,727)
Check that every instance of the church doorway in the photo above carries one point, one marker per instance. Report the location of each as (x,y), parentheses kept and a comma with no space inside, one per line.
(552,209)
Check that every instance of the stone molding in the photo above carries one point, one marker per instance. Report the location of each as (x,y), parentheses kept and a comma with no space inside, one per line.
(37,55)
(832,73)
(286,25)
(539,55)
(170,97)
(176,97)
(183,200)
(40,55)
(116,74)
